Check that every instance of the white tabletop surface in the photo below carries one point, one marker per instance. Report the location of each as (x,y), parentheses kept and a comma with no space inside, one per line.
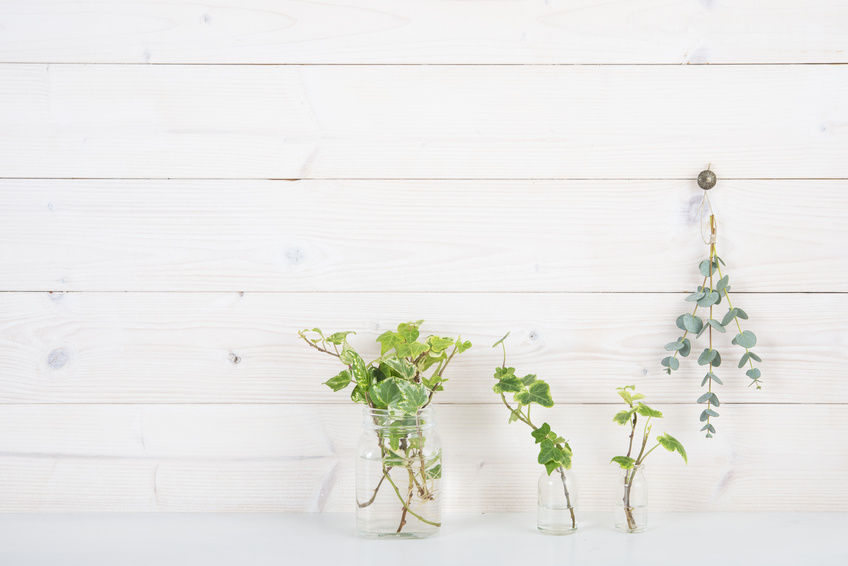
(808,539)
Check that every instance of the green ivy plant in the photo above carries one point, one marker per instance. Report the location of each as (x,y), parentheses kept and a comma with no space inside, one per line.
(554,451)
(635,409)
(401,382)
(710,296)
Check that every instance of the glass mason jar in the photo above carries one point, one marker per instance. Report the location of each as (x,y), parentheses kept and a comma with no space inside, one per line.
(631,504)
(557,502)
(398,475)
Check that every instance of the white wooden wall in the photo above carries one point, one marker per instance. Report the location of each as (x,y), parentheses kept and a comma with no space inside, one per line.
(184,185)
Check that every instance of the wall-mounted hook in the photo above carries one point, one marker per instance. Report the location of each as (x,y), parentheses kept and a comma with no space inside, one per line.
(707,179)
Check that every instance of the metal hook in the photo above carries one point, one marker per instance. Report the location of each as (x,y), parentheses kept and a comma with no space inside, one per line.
(707,179)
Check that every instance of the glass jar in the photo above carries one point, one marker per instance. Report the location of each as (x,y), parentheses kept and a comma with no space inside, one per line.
(398,475)
(557,502)
(631,504)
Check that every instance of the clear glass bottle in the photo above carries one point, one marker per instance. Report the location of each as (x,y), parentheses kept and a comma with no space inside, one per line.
(398,475)
(631,504)
(556,513)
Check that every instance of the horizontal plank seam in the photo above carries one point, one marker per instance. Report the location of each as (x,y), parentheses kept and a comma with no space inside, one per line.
(307,64)
(394,292)
(447,403)
(456,179)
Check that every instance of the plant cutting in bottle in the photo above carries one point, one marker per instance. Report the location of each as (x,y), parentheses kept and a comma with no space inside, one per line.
(554,452)
(710,296)
(635,409)
(399,383)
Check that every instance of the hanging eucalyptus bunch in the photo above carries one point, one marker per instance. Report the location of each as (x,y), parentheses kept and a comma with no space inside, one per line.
(714,288)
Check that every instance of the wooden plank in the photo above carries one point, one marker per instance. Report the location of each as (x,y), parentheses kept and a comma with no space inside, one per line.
(300,458)
(183,347)
(657,122)
(99,235)
(380,31)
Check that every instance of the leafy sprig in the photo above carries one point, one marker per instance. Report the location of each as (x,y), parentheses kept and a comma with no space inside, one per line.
(710,296)
(554,451)
(635,409)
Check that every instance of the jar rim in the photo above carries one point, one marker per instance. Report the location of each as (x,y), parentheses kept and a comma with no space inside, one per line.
(381,418)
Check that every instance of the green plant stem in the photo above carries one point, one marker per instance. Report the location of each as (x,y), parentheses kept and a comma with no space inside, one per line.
(735,318)
(406,507)
(567,497)
(686,332)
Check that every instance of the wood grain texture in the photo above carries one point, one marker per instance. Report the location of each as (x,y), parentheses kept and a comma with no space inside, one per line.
(383,31)
(300,458)
(488,122)
(482,236)
(182,347)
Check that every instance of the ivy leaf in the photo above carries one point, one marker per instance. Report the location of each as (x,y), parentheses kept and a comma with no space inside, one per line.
(462,346)
(388,340)
(358,396)
(722,283)
(541,433)
(716,324)
(538,392)
(510,384)
(400,367)
(687,347)
(435,472)
(438,344)
(672,445)
(361,375)
(674,346)
(623,417)
(548,452)
(338,337)
(746,339)
(753,373)
(339,382)
(692,323)
(529,379)
(623,461)
(646,411)
(409,330)
(412,396)
(385,393)
(670,363)
(502,372)
(707,356)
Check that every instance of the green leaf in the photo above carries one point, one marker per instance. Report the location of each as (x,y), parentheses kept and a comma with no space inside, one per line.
(548,452)
(747,339)
(717,360)
(358,395)
(716,324)
(529,379)
(721,260)
(744,359)
(412,396)
(541,433)
(669,362)
(692,323)
(434,472)
(509,384)
(711,413)
(462,346)
(623,461)
(722,283)
(409,330)
(623,416)
(754,357)
(674,346)
(687,347)
(711,375)
(679,322)
(753,373)
(400,368)
(706,356)
(499,342)
(339,382)
(646,411)
(710,428)
(538,392)
(709,299)
(502,372)
(695,297)
(349,357)
(709,397)
(385,393)
(338,337)
(707,267)
(729,316)
(672,445)
(741,314)
(551,466)
(388,340)
(438,344)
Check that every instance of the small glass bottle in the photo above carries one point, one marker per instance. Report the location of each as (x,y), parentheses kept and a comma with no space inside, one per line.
(631,504)
(398,475)
(557,502)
